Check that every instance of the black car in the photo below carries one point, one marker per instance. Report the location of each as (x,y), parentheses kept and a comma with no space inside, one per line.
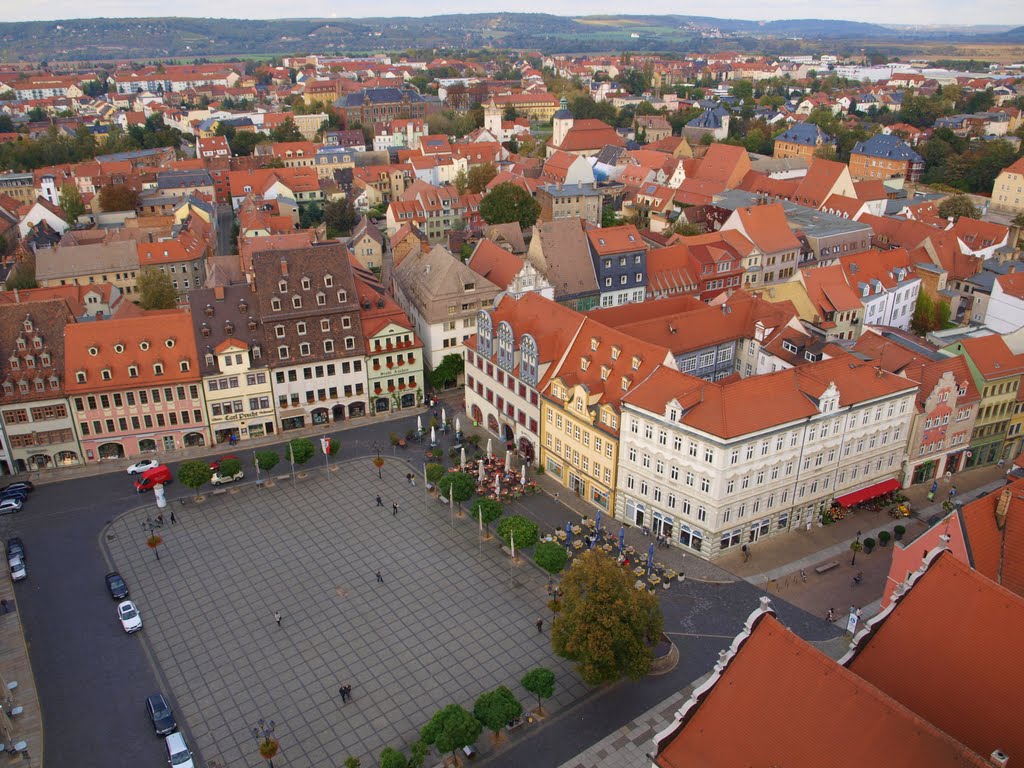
(118,589)
(160,714)
(23,485)
(15,549)
(14,493)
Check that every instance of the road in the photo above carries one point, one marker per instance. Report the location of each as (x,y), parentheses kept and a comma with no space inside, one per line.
(225,227)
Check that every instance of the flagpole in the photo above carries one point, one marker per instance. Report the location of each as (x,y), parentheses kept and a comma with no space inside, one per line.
(481,539)
(291,458)
(512,560)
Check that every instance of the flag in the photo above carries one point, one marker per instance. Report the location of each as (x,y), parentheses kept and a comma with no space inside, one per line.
(512,538)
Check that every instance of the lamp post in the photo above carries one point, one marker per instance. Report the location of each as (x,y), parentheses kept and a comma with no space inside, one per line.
(378,462)
(856,547)
(153,539)
(263,732)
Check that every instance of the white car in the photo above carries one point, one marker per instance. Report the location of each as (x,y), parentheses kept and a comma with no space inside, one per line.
(140,467)
(177,751)
(9,505)
(129,615)
(219,479)
(18,571)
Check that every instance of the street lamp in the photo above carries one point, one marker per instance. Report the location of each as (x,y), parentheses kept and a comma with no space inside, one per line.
(264,735)
(856,547)
(153,540)
(378,462)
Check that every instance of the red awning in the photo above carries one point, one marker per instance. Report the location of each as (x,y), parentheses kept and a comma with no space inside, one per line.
(866,494)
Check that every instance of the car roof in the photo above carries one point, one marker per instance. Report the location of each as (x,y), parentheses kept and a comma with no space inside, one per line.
(113,574)
(175,740)
(157,698)
(125,604)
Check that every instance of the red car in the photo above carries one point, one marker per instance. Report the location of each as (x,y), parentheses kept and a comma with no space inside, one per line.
(215,464)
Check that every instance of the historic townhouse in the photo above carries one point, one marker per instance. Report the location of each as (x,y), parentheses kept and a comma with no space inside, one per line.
(581,408)
(996,372)
(709,466)
(310,314)
(233,362)
(507,363)
(134,384)
(36,418)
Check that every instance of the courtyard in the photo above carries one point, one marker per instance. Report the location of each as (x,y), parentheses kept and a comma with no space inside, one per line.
(450,620)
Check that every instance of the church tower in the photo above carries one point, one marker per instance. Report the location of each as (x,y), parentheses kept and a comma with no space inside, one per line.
(492,119)
(561,122)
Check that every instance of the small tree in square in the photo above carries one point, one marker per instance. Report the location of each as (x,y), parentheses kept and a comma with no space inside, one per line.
(267,460)
(551,556)
(301,450)
(496,708)
(450,729)
(392,758)
(194,474)
(522,529)
(487,510)
(541,683)
(230,467)
(458,486)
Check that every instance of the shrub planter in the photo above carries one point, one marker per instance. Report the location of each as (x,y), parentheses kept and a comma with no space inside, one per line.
(883,538)
(869,544)
(898,531)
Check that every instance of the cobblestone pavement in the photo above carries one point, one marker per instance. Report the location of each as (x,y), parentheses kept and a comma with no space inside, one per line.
(451,619)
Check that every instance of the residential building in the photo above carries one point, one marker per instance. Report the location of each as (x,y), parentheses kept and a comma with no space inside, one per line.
(776,254)
(134,383)
(434,209)
(620,263)
(885,156)
(441,296)
(887,283)
(709,466)
(1007,191)
(802,140)
(233,360)
(996,371)
(376,105)
(1005,310)
(512,274)
(570,201)
(506,365)
(367,244)
(309,309)
(560,251)
(182,259)
(116,262)
(40,432)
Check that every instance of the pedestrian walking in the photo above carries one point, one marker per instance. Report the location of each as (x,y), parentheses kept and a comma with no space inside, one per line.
(540,626)
(160,519)
(803,575)
(173,518)
(277,617)
(830,617)
(394,509)
(380,502)
(408,478)
(380,578)
(746,553)
(346,692)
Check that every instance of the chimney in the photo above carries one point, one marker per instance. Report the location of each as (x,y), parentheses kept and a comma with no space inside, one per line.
(1002,507)
(284,267)
(999,758)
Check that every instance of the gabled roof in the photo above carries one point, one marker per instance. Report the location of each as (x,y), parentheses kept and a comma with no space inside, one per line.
(430,279)
(828,290)
(766,227)
(613,240)
(992,357)
(807,134)
(886,146)
(561,252)
(495,263)
(995,531)
(725,164)
(590,135)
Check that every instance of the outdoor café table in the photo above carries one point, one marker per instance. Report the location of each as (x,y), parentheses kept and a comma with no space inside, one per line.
(577,530)
(630,550)
(654,580)
(607,547)
(638,571)
(560,534)
(577,544)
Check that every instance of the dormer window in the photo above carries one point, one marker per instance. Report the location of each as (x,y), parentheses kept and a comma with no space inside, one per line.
(93,351)
(282,286)
(54,382)
(37,343)
(44,360)
(251,324)
(133,371)
(243,307)
(594,343)
(40,385)
(306,284)
(229,328)
(119,348)
(605,371)
(106,374)
(209,310)
(584,363)
(279,331)
(636,362)
(15,363)
(209,359)
(625,383)
(22,346)
(297,302)
(23,387)
(169,343)
(30,362)
(321,299)
(144,346)
(27,325)
(616,351)
(328,281)
(275,304)
(184,366)
(8,388)
(205,330)
(342,297)
(158,369)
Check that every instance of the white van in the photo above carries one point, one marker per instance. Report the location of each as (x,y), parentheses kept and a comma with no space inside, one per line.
(177,751)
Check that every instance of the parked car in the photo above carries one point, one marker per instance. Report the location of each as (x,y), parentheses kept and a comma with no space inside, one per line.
(15,548)
(129,615)
(118,589)
(23,485)
(18,572)
(177,751)
(9,505)
(14,494)
(219,479)
(139,467)
(160,714)
(215,463)
(159,475)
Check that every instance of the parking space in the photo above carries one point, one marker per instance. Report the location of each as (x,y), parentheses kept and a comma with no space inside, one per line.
(444,625)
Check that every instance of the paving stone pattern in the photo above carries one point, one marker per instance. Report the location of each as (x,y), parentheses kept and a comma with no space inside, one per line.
(445,626)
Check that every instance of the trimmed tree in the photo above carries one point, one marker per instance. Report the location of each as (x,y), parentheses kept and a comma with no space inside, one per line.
(392,758)
(350,762)
(194,474)
(267,460)
(230,467)
(605,625)
(487,510)
(156,291)
(459,486)
(523,529)
(509,202)
(450,729)
(418,754)
(551,556)
(958,205)
(435,472)
(496,708)
(301,450)
(541,683)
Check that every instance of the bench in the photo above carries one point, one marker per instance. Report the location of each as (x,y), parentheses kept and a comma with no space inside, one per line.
(218,491)
(827,567)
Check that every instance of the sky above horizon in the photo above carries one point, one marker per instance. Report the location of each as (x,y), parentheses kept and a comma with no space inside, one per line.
(917,12)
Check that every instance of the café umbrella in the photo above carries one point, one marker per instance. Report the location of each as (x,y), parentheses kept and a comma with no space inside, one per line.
(419,425)
(522,479)
(508,460)
(650,559)
(444,417)
(622,538)
(480,471)
(497,485)
(462,459)
(433,436)
(458,425)
(488,447)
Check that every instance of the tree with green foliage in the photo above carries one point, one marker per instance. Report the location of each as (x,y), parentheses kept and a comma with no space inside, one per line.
(71,202)
(286,131)
(23,276)
(541,683)
(244,143)
(392,758)
(341,217)
(118,197)
(605,625)
(458,486)
(450,729)
(301,450)
(435,472)
(267,460)
(551,556)
(479,177)
(418,754)
(351,762)
(461,181)
(495,709)
(156,291)
(512,145)
(449,370)
(230,467)
(194,474)
(522,529)
(509,202)
(958,205)
(487,510)
(609,217)
(310,215)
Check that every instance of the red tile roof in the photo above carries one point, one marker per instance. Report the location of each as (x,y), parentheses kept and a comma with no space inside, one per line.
(997,548)
(766,227)
(495,263)
(992,357)
(620,239)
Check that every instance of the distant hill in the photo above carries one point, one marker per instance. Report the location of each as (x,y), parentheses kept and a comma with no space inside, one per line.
(1015,35)
(150,38)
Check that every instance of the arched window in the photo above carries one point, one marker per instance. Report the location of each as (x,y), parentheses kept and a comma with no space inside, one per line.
(528,360)
(484,334)
(506,346)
